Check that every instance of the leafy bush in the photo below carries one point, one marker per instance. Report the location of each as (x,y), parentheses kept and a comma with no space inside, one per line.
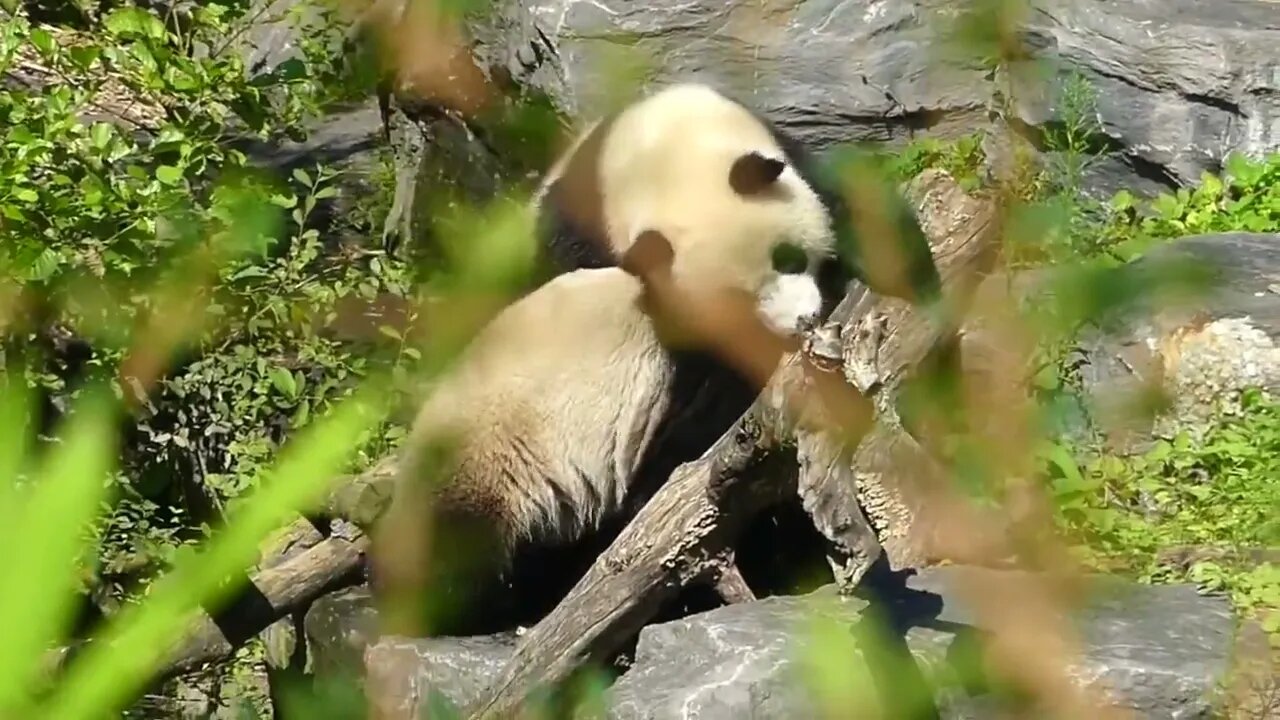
(92,210)
(961,157)
(1245,198)
(1219,493)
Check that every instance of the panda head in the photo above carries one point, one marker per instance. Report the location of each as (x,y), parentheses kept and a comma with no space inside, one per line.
(713,178)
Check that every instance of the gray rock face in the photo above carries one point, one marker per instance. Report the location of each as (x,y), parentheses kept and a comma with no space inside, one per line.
(1249,280)
(404,676)
(349,140)
(1179,84)
(1204,350)
(338,628)
(831,71)
(1156,651)
(273,31)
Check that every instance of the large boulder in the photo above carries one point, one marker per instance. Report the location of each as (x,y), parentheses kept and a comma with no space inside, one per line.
(337,628)
(1202,351)
(1176,87)
(1155,650)
(1178,84)
(403,675)
(742,660)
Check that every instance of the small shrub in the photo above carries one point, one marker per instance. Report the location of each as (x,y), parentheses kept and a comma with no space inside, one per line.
(92,210)
(1246,197)
(1217,494)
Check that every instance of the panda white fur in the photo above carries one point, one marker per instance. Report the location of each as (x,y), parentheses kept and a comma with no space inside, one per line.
(567,408)
(713,177)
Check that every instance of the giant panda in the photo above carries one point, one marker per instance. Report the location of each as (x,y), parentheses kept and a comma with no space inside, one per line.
(639,167)
(568,410)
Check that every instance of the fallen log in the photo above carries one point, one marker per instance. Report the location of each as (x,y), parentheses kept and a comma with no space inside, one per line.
(298,564)
(885,344)
(272,594)
(686,531)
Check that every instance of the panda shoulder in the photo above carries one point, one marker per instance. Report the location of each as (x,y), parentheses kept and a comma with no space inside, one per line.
(596,296)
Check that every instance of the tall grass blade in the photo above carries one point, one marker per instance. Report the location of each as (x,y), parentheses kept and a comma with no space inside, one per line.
(121,661)
(48,525)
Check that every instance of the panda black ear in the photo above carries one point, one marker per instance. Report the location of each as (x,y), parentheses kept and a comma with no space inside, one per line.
(753,172)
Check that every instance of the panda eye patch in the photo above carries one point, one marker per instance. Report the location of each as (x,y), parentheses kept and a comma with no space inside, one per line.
(789,259)
(753,173)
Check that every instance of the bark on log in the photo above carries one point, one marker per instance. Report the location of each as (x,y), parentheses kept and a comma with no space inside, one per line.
(885,339)
(298,564)
(286,588)
(687,530)
(273,594)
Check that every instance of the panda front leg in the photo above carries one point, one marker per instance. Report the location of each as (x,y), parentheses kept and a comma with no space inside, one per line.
(438,568)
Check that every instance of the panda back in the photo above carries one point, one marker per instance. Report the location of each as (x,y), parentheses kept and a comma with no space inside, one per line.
(555,401)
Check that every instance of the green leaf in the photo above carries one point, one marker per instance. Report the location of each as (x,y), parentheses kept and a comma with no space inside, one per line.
(100,135)
(84,55)
(301,176)
(1058,456)
(1046,378)
(290,70)
(143,55)
(1242,170)
(43,40)
(51,527)
(283,381)
(252,271)
(169,175)
(1210,185)
(134,21)
(45,265)
(1122,200)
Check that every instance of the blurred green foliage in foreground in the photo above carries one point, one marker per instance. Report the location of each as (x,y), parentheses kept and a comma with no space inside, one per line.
(105,222)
